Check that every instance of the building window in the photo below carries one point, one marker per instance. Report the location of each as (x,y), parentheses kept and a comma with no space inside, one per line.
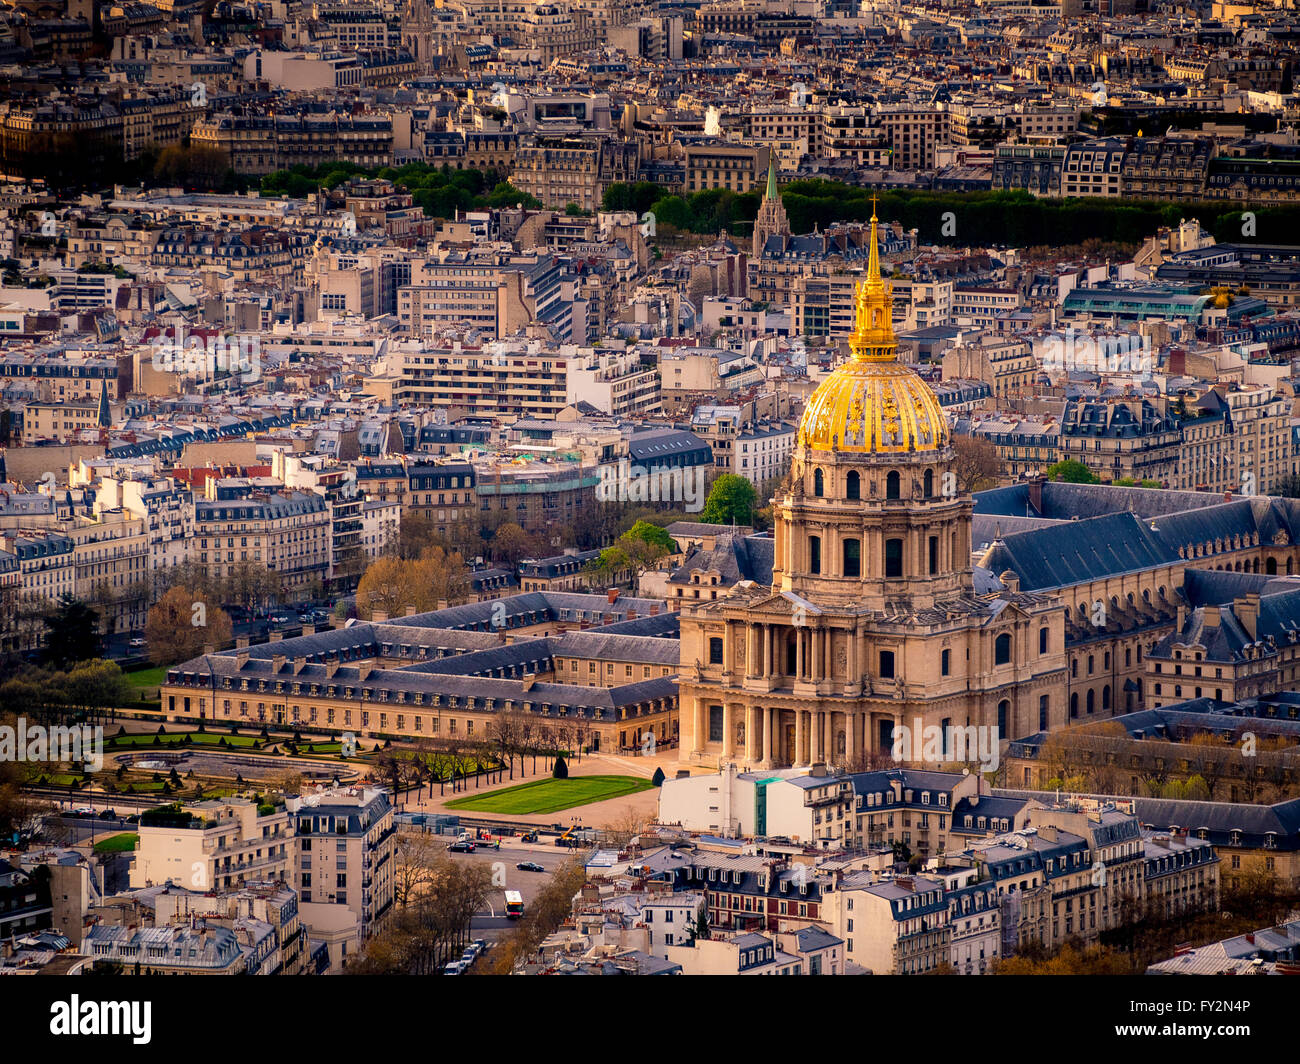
(893,558)
(715,724)
(893,484)
(854,485)
(945,662)
(819,483)
(852,557)
(886,664)
(1002,649)
(814,554)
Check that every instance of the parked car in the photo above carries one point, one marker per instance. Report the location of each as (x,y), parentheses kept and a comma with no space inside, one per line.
(280,618)
(530,866)
(462,846)
(138,641)
(454,968)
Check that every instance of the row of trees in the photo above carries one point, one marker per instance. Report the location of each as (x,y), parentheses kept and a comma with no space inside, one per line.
(440,191)
(89,690)
(996,218)
(1103,759)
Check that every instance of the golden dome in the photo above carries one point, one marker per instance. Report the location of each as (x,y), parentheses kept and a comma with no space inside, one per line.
(873,403)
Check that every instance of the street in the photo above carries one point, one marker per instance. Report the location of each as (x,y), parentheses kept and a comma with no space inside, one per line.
(491,923)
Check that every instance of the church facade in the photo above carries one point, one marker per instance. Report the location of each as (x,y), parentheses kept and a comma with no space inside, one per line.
(873,621)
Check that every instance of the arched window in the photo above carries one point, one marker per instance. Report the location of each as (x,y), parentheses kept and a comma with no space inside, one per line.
(893,484)
(1004,710)
(1105,698)
(1091,702)
(929,483)
(852,557)
(1270,567)
(819,483)
(814,554)
(1002,649)
(854,490)
(893,558)
(1074,704)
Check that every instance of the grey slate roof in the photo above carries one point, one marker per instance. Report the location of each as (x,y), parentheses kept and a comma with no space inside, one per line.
(1079,552)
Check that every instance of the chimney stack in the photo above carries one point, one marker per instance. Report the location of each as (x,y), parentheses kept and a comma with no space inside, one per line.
(379,616)
(613,595)
(1247,611)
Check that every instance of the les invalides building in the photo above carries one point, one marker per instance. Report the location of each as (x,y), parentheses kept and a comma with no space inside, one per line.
(873,619)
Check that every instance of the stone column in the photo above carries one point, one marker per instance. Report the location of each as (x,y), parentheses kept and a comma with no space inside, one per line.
(728,729)
(728,649)
(850,736)
(700,726)
(751,650)
(765,637)
(751,734)
(798,758)
(815,739)
(769,726)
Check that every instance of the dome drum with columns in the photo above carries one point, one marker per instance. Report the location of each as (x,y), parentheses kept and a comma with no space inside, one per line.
(872,511)
(871,619)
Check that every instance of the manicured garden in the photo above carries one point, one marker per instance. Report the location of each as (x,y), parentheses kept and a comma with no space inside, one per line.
(550,795)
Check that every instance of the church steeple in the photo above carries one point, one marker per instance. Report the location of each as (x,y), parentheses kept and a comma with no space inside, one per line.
(772,219)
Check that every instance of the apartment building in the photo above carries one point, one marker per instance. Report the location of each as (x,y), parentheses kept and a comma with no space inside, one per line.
(1006,364)
(1094,168)
(913,134)
(59,373)
(346,841)
(498,296)
(59,421)
(733,167)
(261,144)
(619,383)
(898,926)
(214,845)
(239,523)
(1122,439)
(443,493)
(45,562)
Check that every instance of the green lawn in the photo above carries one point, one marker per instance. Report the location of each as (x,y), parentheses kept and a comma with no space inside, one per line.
(550,796)
(123,843)
(142,678)
(170,739)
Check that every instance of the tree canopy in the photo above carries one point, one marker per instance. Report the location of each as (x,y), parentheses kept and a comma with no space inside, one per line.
(732,501)
(181,623)
(71,633)
(393,585)
(1072,471)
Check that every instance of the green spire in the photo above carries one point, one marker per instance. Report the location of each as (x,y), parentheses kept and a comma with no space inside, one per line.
(771,176)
